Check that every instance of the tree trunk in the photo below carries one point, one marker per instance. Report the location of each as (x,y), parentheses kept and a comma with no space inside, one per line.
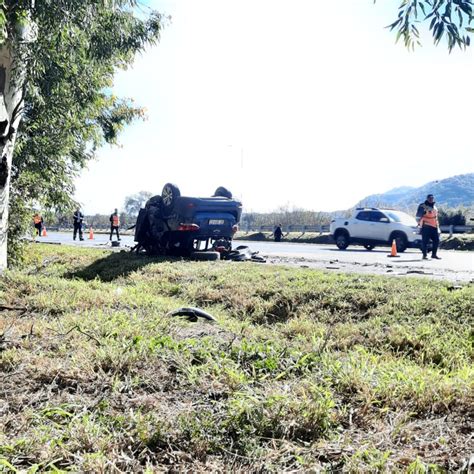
(11,98)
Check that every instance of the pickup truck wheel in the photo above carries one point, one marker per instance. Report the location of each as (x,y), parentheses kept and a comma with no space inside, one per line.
(369,247)
(207,256)
(342,240)
(169,195)
(400,241)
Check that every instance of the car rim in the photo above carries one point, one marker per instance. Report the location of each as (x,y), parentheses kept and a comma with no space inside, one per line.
(167,196)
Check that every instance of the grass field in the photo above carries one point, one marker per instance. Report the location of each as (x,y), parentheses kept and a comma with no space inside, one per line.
(304,371)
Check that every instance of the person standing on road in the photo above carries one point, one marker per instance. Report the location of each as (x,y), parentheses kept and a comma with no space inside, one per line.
(277,233)
(38,223)
(114,224)
(427,217)
(78,219)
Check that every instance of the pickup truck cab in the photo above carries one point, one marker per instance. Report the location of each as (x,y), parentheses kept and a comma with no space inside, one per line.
(372,226)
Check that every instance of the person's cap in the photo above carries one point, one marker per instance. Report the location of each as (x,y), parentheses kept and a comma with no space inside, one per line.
(429,196)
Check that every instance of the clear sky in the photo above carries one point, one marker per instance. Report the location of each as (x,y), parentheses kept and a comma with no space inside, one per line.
(306,103)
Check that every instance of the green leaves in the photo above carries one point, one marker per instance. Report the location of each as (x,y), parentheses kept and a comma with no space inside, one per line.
(450,19)
(68,112)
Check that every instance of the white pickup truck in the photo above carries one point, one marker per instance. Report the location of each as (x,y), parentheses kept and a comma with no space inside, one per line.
(372,226)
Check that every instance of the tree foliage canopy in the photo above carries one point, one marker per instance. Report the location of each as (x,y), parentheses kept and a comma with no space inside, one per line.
(450,19)
(134,202)
(69,110)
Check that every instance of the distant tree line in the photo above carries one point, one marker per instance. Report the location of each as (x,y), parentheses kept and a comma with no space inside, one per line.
(286,216)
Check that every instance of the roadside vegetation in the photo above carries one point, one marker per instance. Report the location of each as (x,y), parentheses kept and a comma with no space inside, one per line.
(303,370)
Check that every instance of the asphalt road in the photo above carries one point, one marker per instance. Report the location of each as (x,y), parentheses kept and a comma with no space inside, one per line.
(455,265)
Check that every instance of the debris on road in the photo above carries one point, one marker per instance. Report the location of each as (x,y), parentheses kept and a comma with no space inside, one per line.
(242,253)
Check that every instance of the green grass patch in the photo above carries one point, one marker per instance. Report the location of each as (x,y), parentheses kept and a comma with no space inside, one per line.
(304,369)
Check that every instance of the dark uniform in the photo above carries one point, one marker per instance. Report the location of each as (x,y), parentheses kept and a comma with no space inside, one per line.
(78,218)
(277,233)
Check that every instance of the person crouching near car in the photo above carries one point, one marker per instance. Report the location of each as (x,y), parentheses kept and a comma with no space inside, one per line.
(427,216)
(114,224)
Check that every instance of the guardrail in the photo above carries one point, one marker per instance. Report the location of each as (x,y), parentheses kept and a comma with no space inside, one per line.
(286,229)
(322,229)
(446,229)
(456,229)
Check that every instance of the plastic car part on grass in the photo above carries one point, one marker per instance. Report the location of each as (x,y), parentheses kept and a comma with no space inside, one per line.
(192,314)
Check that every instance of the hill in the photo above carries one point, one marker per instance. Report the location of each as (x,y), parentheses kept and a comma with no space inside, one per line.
(450,192)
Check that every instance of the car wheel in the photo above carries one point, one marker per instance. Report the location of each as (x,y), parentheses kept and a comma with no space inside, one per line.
(400,241)
(369,247)
(169,195)
(206,256)
(342,240)
(223,192)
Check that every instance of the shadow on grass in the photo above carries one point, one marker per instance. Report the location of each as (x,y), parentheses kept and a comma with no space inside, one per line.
(115,265)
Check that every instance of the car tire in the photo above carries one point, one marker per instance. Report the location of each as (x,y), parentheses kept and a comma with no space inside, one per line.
(401,241)
(342,240)
(369,247)
(205,256)
(169,195)
(222,192)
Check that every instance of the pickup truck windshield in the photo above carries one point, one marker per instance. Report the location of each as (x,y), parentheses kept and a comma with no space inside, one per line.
(397,216)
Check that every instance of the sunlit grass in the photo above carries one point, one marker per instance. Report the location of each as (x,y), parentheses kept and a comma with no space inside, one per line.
(304,369)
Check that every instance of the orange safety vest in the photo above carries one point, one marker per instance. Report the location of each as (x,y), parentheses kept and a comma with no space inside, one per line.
(115,220)
(37,219)
(430,217)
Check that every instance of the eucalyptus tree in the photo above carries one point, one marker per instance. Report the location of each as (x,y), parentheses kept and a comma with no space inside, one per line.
(134,202)
(57,63)
(449,19)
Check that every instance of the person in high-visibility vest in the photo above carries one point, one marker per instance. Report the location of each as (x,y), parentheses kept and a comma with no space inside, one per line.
(114,224)
(427,217)
(38,223)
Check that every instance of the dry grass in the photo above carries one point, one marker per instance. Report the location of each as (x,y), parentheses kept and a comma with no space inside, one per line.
(304,370)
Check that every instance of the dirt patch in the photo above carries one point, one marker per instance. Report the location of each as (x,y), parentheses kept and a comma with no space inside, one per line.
(458,243)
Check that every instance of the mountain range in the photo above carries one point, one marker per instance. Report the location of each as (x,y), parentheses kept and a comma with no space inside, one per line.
(457,191)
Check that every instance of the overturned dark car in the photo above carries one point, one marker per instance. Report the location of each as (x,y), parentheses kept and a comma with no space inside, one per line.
(172,224)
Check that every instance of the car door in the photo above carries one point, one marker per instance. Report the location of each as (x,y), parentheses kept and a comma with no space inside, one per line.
(379,226)
(360,226)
